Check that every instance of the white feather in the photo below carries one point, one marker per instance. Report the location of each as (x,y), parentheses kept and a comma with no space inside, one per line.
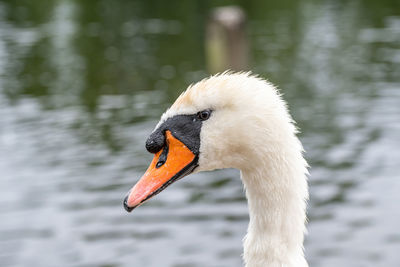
(250,129)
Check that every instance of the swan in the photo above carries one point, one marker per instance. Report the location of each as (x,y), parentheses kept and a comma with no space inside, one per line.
(237,120)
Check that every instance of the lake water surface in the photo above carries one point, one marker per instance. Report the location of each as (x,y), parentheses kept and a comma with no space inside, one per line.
(83,83)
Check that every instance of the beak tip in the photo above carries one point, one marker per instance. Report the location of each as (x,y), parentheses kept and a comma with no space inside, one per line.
(126,207)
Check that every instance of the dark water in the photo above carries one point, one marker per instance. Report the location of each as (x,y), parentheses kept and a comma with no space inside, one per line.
(82,83)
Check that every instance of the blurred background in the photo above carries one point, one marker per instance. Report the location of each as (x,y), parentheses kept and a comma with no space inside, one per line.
(83,83)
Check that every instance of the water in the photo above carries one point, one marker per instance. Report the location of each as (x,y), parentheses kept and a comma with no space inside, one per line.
(82,84)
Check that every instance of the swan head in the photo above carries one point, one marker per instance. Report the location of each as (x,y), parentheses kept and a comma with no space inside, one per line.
(231,120)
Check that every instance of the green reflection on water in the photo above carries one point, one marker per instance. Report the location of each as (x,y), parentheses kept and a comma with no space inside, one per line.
(114,66)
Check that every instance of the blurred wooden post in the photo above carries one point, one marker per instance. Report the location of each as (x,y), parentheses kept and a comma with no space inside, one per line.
(226,40)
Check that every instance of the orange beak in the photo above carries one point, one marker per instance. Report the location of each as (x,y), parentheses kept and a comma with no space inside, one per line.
(171,163)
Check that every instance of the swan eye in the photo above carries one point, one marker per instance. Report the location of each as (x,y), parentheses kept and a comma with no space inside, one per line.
(204,115)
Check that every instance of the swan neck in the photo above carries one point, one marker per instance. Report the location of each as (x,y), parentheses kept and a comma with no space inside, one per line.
(276,199)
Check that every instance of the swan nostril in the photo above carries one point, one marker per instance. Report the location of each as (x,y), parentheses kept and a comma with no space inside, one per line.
(163,157)
(160,163)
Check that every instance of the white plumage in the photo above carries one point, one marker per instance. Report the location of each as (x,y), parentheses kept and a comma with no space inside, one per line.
(250,129)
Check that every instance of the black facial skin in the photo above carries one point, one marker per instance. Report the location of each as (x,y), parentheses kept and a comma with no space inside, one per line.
(185,128)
